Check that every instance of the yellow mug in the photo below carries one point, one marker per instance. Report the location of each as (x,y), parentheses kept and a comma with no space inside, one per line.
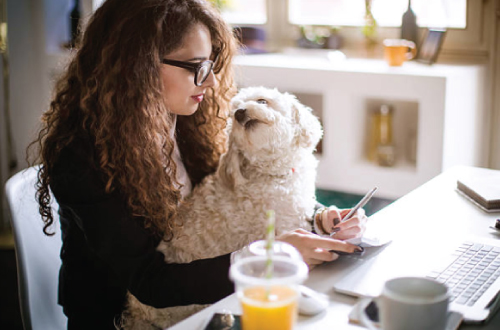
(397,51)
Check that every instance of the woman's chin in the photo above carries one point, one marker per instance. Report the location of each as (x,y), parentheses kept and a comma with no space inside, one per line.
(187,112)
(192,111)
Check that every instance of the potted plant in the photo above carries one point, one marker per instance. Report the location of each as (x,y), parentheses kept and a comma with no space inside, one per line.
(221,4)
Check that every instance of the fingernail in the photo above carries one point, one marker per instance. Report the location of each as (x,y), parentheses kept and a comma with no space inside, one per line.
(335,229)
(336,221)
(359,249)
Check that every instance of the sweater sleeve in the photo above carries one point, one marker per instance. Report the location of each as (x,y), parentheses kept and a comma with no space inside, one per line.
(126,248)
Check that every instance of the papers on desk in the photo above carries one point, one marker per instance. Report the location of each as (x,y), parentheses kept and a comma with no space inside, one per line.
(367,241)
(375,235)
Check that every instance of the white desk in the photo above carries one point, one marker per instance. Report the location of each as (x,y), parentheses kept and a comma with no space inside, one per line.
(416,222)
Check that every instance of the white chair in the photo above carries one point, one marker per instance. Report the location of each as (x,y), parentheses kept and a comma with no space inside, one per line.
(37,255)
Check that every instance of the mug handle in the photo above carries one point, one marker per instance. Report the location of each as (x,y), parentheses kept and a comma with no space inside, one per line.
(363,318)
(413,50)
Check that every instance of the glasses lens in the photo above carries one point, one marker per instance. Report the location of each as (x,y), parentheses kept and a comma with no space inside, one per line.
(203,72)
(217,64)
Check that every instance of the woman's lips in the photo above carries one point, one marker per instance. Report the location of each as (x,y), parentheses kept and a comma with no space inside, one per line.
(197,98)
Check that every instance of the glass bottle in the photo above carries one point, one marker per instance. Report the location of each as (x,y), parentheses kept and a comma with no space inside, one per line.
(385,148)
(409,28)
(381,149)
(385,124)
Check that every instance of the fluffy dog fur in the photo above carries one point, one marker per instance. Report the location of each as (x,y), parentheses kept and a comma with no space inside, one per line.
(269,165)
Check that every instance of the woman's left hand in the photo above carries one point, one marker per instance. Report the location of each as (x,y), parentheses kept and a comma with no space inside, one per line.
(351,228)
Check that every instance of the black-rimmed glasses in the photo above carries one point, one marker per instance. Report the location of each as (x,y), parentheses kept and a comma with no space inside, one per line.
(201,70)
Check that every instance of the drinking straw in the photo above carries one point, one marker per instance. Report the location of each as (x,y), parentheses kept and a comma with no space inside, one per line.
(269,247)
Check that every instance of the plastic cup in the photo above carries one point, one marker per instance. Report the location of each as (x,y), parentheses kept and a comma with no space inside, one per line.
(258,248)
(268,303)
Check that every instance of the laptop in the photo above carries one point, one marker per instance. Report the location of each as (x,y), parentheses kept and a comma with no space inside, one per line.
(470,268)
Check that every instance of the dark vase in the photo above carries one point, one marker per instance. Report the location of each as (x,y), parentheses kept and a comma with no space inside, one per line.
(334,41)
(409,28)
(75,18)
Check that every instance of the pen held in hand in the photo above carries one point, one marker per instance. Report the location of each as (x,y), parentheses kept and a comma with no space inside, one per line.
(360,204)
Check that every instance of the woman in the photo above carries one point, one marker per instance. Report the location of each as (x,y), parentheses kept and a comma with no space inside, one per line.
(136,121)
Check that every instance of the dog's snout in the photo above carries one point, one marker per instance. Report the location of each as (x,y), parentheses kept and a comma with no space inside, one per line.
(240,115)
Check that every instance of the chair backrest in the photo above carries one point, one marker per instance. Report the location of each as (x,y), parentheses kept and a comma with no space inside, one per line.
(37,255)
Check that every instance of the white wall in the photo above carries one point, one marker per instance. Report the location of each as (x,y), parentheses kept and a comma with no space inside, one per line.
(28,84)
(495,64)
(3,152)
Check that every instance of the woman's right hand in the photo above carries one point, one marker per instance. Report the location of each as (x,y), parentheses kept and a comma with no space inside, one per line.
(315,249)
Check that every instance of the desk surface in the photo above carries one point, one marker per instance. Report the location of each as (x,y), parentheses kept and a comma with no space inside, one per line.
(433,216)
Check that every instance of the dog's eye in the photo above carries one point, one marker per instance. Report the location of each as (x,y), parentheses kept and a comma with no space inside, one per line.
(262,101)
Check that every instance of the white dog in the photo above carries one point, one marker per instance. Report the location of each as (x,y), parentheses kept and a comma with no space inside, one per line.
(269,165)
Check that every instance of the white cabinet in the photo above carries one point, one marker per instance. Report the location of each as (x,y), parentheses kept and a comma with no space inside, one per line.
(438,115)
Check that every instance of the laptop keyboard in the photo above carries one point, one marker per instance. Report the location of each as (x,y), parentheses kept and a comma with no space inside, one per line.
(471,270)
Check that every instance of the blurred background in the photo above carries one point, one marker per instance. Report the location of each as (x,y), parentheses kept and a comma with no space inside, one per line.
(395,127)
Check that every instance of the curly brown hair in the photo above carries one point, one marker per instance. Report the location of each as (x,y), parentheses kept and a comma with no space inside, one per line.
(112,93)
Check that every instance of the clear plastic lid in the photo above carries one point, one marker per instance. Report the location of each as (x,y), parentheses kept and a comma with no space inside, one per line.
(258,248)
(252,271)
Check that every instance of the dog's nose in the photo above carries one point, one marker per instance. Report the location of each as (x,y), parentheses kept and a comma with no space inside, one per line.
(240,115)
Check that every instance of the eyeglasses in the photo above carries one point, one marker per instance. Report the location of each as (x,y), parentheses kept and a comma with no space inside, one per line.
(201,70)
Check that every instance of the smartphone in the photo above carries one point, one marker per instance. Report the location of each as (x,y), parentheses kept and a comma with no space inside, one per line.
(372,312)
(224,321)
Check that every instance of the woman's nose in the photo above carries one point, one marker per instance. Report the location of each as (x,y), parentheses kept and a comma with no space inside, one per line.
(211,81)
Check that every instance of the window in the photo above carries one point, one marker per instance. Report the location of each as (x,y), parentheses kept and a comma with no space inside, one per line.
(245,11)
(234,11)
(430,13)
(281,18)
(96,4)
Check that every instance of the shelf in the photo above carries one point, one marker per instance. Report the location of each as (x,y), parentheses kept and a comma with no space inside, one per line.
(327,60)
(315,102)
(404,127)
(440,105)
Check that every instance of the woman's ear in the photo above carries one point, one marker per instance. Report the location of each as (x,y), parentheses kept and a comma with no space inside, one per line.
(308,131)
(229,170)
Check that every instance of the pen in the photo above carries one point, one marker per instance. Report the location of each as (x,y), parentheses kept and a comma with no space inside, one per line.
(361,203)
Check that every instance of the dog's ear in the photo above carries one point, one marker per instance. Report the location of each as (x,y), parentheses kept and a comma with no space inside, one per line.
(229,168)
(308,129)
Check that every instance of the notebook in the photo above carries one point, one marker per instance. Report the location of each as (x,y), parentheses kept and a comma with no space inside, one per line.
(483,189)
(471,272)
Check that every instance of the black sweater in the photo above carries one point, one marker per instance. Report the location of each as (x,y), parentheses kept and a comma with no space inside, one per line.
(106,251)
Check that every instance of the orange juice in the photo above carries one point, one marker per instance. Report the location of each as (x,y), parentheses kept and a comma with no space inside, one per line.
(273,310)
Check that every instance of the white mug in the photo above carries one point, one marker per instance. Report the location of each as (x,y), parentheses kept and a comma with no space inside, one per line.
(411,303)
